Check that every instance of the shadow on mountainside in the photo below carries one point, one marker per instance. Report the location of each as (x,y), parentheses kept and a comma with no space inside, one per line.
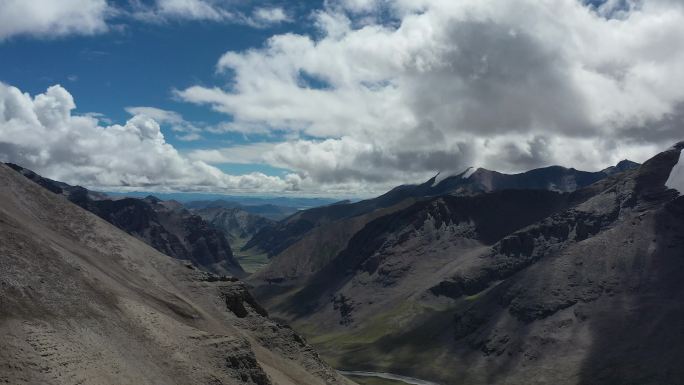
(639,340)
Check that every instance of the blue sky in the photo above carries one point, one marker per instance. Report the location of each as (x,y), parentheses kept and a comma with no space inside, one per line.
(342,98)
(140,63)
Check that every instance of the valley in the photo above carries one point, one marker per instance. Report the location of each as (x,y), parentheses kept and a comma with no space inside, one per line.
(387,378)
(341,192)
(427,285)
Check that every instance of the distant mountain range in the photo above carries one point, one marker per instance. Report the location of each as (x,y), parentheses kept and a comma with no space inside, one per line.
(269,211)
(324,231)
(291,202)
(550,276)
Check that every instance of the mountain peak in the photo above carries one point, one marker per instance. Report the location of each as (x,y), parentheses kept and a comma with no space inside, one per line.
(621,166)
(152,199)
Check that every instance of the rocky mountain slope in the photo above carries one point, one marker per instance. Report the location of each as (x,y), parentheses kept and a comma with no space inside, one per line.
(82,302)
(238,224)
(577,286)
(165,225)
(308,240)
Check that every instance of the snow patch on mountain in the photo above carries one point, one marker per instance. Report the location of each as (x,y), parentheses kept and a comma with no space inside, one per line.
(445,175)
(470,171)
(676,179)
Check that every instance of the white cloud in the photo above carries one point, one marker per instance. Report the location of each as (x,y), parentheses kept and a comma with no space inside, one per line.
(190,131)
(441,84)
(161,116)
(50,18)
(209,10)
(56,18)
(41,133)
(164,10)
(189,137)
(251,153)
(264,16)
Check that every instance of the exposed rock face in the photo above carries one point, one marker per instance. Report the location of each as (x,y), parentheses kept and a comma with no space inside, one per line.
(581,286)
(83,302)
(164,225)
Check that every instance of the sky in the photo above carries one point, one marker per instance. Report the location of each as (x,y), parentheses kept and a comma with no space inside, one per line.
(332,97)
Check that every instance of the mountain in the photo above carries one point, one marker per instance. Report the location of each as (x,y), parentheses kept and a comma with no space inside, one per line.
(269,211)
(507,286)
(235,222)
(82,302)
(239,226)
(309,239)
(164,225)
(299,203)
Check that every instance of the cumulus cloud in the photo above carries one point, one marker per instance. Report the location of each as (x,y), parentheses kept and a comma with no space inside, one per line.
(188,131)
(49,18)
(209,10)
(431,85)
(43,134)
(56,18)
(163,10)
(267,16)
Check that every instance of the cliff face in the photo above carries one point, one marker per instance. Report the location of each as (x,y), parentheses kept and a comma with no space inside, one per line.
(164,225)
(83,302)
(509,287)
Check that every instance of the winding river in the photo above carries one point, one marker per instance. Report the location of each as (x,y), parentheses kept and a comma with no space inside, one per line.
(387,376)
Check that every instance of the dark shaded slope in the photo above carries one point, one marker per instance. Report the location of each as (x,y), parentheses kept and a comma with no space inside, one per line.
(588,289)
(608,271)
(595,292)
(485,218)
(170,229)
(275,239)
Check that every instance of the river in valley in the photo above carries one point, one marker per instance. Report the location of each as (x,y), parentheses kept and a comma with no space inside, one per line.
(387,376)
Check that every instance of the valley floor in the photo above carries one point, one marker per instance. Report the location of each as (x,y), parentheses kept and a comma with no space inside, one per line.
(384,378)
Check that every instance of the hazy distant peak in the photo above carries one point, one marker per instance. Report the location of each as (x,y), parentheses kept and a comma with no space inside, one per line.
(152,199)
(622,165)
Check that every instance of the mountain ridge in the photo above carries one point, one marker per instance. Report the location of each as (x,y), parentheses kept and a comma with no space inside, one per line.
(165,225)
(83,302)
(287,238)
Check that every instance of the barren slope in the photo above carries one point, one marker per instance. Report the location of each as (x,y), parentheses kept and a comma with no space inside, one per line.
(82,302)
